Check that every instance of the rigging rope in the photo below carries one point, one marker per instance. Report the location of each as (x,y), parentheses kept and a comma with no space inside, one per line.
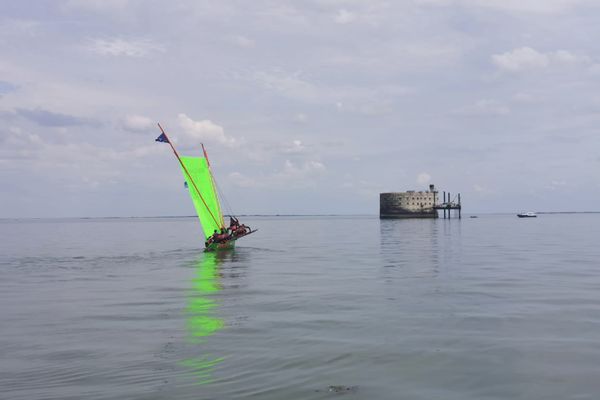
(222,196)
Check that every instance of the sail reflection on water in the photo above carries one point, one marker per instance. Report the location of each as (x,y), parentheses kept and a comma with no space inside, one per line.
(202,319)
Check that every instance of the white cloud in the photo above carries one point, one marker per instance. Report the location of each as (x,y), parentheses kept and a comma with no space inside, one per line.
(137,123)
(524,98)
(269,150)
(365,188)
(15,139)
(372,101)
(526,58)
(430,51)
(565,57)
(292,175)
(242,180)
(594,69)
(65,92)
(534,6)
(293,172)
(97,5)
(301,117)
(295,147)
(557,184)
(481,190)
(520,59)
(69,163)
(344,17)
(375,108)
(423,178)
(18,28)
(196,132)
(484,107)
(241,41)
(125,47)
(284,16)
(539,6)
(289,85)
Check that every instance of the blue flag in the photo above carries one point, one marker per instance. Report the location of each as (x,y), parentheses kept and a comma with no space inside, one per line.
(162,138)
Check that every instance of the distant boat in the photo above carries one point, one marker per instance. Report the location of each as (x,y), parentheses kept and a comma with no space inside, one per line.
(529,214)
(473,216)
(198,176)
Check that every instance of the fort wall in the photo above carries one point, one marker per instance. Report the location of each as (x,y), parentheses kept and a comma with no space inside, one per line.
(409,204)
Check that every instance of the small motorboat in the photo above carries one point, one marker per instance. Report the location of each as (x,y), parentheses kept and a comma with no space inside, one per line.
(529,214)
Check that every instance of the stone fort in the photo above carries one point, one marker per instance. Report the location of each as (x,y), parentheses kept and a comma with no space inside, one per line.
(409,204)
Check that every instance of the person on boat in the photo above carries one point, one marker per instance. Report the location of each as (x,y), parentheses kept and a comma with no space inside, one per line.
(242,230)
(211,239)
(219,237)
(222,237)
(235,228)
(233,225)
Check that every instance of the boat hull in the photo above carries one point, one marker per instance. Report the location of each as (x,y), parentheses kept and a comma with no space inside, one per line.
(526,216)
(225,245)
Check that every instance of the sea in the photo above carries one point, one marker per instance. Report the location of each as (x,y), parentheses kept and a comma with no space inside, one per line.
(308,307)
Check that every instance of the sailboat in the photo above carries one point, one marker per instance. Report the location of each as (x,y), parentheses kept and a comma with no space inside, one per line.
(203,191)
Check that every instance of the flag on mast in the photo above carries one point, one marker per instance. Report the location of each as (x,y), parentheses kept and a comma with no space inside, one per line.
(162,138)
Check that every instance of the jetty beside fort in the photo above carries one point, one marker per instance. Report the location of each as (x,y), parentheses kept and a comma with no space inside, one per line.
(417,204)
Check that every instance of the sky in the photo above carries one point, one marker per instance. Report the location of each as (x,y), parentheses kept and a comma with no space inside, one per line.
(305,107)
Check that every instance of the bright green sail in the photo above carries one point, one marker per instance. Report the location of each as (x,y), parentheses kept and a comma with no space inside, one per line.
(207,207)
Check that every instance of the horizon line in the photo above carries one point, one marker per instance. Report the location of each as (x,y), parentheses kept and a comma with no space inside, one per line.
(276,215)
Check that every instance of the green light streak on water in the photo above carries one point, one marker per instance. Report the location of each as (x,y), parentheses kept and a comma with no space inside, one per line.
(202,320)
(201,326)
(204,285)
(200,305)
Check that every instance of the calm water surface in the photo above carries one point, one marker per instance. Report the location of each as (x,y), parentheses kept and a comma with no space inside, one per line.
(488,308)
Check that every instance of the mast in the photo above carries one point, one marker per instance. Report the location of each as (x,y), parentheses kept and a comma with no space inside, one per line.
(219,223)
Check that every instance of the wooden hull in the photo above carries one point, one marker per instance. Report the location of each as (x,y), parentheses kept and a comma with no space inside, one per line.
(226,245)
